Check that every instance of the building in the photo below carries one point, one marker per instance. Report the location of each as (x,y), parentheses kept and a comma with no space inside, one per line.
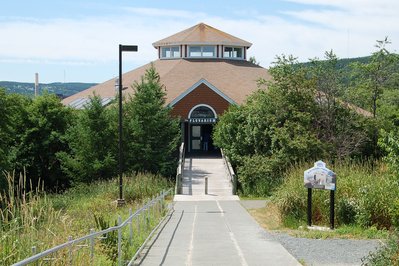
(204,70)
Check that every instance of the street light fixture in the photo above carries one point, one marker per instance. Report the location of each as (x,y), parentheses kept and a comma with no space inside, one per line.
(122,48)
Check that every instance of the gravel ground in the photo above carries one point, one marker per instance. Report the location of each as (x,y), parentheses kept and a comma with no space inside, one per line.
(321,251)
(327,251)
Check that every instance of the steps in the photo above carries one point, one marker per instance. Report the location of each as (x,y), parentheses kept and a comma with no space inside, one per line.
(196,169)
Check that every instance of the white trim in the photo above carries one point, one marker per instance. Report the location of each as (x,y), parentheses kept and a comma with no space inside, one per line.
(205,105)
(198,83)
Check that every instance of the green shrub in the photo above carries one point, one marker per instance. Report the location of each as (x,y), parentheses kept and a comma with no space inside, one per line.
(259,175)
(346,210)
(387,255)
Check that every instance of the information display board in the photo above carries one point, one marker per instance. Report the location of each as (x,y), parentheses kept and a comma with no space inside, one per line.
(320,177)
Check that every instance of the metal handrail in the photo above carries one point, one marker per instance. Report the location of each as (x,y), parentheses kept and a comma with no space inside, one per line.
(230,172)
(94,234)
(180,169)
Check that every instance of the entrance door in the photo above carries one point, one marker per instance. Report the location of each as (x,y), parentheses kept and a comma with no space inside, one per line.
(196,138)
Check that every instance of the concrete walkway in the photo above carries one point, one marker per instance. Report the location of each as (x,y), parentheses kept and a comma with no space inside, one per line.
(212,229)
(213,233)
(196,169)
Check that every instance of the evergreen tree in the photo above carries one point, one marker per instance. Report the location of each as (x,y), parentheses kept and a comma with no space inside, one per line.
(151,134)
(92,143)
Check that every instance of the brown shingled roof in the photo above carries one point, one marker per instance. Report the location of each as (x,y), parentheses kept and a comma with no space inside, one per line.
(237,79)
(202,34)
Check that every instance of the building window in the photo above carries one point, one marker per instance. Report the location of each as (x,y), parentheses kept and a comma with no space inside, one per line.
(202,51)
(170,52)
(202,112)
(233,52)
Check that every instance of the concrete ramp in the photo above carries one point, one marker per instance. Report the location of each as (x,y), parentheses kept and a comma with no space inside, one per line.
(196,169)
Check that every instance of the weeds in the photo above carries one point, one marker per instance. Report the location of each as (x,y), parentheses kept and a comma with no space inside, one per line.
(33,218)
(364,197)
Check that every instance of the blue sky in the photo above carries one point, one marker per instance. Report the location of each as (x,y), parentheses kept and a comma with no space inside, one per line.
(78,40)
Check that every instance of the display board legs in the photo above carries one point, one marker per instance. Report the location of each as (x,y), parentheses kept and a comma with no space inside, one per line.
(309,207)
(332,211)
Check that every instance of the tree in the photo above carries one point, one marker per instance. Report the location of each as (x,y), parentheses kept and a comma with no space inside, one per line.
(151,134)
(13,109)
(273,129)
(92,143)
(336,122)
(41,139)
(373,79)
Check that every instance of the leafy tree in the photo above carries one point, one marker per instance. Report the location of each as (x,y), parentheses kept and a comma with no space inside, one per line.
(274,128)
(13,109)
(92,143)
(41,139)
(389,141)
(372,80)
(151,134)
(5,130)
(253,60)
(336,122)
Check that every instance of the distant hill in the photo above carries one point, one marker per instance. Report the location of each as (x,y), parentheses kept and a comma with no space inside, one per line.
(345,62)
(61,89)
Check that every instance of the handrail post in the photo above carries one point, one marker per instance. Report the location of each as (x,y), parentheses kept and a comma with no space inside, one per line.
(234,184)
(138,223)
(119,242)
(34,252)
(91,247)
(130,227)
(70,251)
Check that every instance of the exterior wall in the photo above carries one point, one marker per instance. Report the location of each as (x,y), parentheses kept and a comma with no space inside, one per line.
(201,95)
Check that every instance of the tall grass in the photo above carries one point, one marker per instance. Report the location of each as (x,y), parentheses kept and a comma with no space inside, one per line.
(365,196)
(27,219)
(30,217)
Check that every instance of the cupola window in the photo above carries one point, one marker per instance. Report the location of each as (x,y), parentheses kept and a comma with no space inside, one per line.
(170,52)
(202,51)
(233,52)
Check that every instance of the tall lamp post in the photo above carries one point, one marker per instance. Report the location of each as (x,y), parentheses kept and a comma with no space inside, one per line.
(122,48)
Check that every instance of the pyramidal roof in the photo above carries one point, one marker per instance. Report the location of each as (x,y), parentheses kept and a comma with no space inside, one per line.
(202,34)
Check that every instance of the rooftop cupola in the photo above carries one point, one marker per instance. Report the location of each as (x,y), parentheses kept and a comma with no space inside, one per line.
(202,41)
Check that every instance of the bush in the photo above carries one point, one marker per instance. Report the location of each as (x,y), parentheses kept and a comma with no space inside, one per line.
(388,254)
(259,175)
(364,196)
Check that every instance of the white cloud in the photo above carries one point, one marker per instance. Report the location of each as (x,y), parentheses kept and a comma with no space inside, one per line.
(348,27)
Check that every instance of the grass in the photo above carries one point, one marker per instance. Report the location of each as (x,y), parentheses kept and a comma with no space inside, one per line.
(270,219)
(33,218)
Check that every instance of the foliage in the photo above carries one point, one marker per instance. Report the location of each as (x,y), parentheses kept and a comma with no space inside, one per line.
(336,123)
(389,141)
(360,200)
(13,110)
(375,88)
(92,142)
(36,218)
(41,139)
(388,254)
(58,88)
(151,134)
(299,117)
(258,175)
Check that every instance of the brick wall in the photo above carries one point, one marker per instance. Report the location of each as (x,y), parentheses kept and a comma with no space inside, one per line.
(200,95)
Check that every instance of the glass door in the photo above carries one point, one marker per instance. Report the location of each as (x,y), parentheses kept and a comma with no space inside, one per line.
(195,138)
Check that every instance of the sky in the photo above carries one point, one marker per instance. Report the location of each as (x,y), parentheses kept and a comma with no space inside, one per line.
(77,40)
